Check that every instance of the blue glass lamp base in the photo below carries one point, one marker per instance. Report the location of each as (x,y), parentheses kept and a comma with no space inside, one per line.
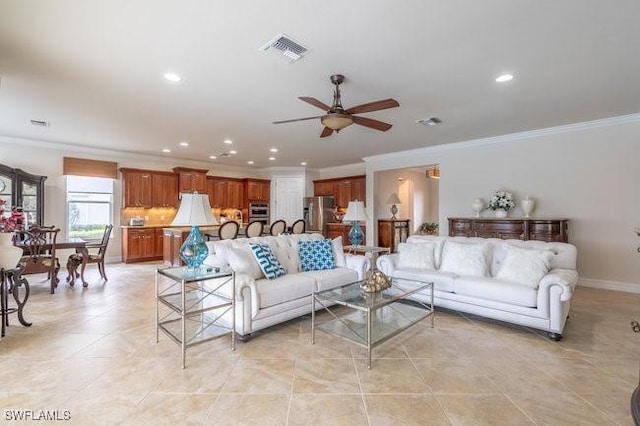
(355,234)
(194,249)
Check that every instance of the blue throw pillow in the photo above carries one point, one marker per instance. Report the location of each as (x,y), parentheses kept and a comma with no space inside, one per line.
(316,255)
(268,262)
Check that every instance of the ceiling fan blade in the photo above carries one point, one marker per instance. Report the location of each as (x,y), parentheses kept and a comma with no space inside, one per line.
(315,102)
(297,119)
(326,132)
(373,106)
(374,124)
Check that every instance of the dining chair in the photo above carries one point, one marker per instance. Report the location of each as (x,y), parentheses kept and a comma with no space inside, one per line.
(95,254)
(278,227)
(228,230)
(298,227)
(254,229)
(39,252)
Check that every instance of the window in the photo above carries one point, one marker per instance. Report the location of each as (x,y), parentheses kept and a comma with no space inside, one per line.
(89,206)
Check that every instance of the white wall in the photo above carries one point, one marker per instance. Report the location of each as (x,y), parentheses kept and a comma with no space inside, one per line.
(587,172)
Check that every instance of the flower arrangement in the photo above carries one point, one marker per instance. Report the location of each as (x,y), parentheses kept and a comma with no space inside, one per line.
(12,222)
(501,200)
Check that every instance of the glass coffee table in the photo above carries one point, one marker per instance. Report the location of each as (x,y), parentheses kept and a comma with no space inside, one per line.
(373,318)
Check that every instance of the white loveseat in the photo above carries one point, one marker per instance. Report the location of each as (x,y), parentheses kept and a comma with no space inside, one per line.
(493,278)
(262,302)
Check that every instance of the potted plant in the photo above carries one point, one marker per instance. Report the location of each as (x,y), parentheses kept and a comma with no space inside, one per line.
(428,228)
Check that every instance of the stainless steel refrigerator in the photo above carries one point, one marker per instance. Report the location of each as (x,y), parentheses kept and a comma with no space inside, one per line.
(317,212)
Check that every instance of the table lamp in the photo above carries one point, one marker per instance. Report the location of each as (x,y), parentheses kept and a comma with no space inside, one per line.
(194,210)
(355,213)
(393,200)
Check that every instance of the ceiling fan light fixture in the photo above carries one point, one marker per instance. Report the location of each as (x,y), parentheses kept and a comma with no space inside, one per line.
(337,121)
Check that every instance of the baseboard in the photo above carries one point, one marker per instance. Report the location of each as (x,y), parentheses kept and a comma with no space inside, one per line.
(609,285)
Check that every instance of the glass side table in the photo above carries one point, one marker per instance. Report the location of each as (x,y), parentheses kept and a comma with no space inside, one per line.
(369,251)
(201,305)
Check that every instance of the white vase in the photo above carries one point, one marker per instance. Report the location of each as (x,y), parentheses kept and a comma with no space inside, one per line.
(477,206)
(9,254)
(501,213)
(527,206)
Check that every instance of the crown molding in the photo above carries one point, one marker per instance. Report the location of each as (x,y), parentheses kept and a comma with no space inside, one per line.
(512,137)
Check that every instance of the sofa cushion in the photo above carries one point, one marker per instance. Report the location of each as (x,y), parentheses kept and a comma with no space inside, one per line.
(416,255)
(497,290)
(442,280)
(315,255)
(338,252)
(465,259)
(284,289)
(524,266)
(267,261)
(331,278)
(242,261)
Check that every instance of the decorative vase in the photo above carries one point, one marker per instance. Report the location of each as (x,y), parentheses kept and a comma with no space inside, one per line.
(527,206)
(477,206)
(501,213)
(355,234)
(194,249)
(9,254)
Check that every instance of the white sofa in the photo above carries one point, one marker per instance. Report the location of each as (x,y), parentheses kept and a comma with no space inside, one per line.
(493,278)
(262,302)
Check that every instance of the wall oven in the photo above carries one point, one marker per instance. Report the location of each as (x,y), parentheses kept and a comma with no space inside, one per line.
(259,211)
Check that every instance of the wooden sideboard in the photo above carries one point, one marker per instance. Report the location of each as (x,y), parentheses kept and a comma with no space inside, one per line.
(519,228)
(392,232)
(337,229)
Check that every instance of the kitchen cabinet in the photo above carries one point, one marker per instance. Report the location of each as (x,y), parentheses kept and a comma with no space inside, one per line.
(191,180)
(336,229)
(139,245)
(257,190)
(171,242)
(137,188)
(19,188)
(323,188)
(225,192)
(343,189)
(165,189)
(392,232)
(550,230)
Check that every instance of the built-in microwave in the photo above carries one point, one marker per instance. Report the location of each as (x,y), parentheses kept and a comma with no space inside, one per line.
(258,210)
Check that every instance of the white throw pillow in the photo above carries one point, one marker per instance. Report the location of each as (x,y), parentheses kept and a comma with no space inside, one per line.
(465,259)
(524,266)
(416,255)
(242,261)
(338,252)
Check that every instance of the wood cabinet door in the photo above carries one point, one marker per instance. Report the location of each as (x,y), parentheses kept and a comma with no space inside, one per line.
(258,190)
(235,194)
(323,188)
(359,189)
(137,189)
(217,189)
(343,193)
(191,181)
(165,192)
(158,244)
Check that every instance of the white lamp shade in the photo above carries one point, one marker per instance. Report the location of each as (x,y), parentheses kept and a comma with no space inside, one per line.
(194,210)
(356,211)
(393,199)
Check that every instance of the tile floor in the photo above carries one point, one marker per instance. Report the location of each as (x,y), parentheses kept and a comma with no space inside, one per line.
(92,352)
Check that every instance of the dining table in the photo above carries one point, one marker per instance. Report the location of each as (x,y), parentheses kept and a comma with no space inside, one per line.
(71,243)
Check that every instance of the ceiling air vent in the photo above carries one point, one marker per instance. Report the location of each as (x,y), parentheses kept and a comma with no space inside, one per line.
(432,121)
(41,123)
(284,45)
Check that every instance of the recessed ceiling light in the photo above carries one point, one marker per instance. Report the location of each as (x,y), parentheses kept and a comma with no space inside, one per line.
(233,151)
(213,157)
(228,141)
(272,158)
(504,78)
(166,150)
(184,143)
(250,162)
(172,77)
(274,150)
(304,163)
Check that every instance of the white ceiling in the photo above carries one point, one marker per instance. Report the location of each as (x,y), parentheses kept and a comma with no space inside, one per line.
(94,69)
